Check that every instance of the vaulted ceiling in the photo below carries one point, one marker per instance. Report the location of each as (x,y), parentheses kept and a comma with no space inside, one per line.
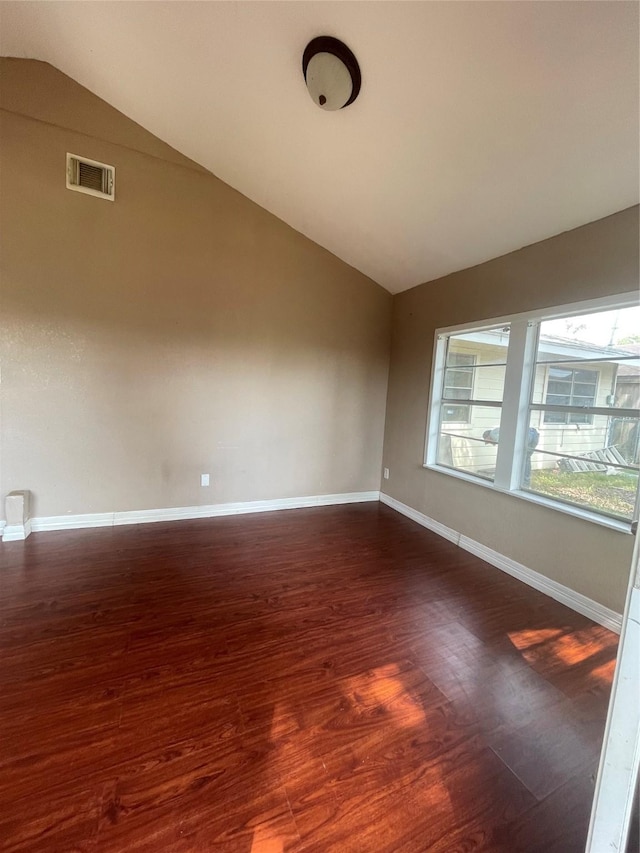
(481,127)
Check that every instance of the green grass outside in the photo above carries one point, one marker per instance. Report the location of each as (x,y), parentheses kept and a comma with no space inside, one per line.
(613,494)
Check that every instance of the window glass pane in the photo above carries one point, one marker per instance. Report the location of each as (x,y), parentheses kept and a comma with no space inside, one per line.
(488,347)
(624,435)
(555,387)
(474,370)
(455,414)
(589,335)
(457,393)
(457,377)
(583,389)
(625,393)
(555,418)
(456,358)
(589,360)
(582,401)
(488,382)
(595,468)
(585,376)
(478,383)
(560,374)
(458,385)
(463,446)
(532,440)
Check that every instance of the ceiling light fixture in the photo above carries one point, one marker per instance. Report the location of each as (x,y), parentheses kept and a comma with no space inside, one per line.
(331,72)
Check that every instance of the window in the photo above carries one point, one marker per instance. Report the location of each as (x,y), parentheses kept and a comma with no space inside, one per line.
(458,385)
(544,406)
(570,388)
(471,400)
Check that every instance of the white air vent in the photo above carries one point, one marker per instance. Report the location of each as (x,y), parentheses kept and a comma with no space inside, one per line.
(88,176)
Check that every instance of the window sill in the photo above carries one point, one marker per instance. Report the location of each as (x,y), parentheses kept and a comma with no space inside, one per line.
(576,512)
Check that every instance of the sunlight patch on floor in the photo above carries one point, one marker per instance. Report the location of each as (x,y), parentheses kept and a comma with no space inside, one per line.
(380,688)
(527,639)
(605,672)
(263,842)
(553,644)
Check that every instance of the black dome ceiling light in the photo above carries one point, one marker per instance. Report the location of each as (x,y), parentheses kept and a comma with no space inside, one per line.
(331,72)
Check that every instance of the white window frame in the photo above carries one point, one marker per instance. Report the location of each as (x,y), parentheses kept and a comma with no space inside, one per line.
(514,423)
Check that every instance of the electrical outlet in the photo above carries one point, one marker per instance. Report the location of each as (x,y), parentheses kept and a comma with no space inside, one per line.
(385,473)
(204,479)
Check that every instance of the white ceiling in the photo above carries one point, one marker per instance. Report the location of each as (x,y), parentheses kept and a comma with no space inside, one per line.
(481,127)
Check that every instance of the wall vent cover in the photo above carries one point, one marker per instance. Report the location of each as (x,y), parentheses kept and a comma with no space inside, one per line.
(91,177)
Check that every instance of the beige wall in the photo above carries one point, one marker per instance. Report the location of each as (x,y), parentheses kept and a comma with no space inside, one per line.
(179,330)
(595,260)
(183,329)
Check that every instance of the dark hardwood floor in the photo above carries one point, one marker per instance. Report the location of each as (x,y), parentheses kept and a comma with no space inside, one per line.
(334,679)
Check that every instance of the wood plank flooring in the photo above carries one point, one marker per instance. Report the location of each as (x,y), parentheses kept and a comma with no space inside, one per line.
(331,679)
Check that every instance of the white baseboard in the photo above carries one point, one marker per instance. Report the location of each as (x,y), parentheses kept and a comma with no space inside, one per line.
(15,532)
(564,594)
(146,516)
(420,518)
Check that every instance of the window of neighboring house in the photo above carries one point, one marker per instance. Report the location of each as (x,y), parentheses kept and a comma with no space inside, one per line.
(458,385)
(568,387)
(502,393)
